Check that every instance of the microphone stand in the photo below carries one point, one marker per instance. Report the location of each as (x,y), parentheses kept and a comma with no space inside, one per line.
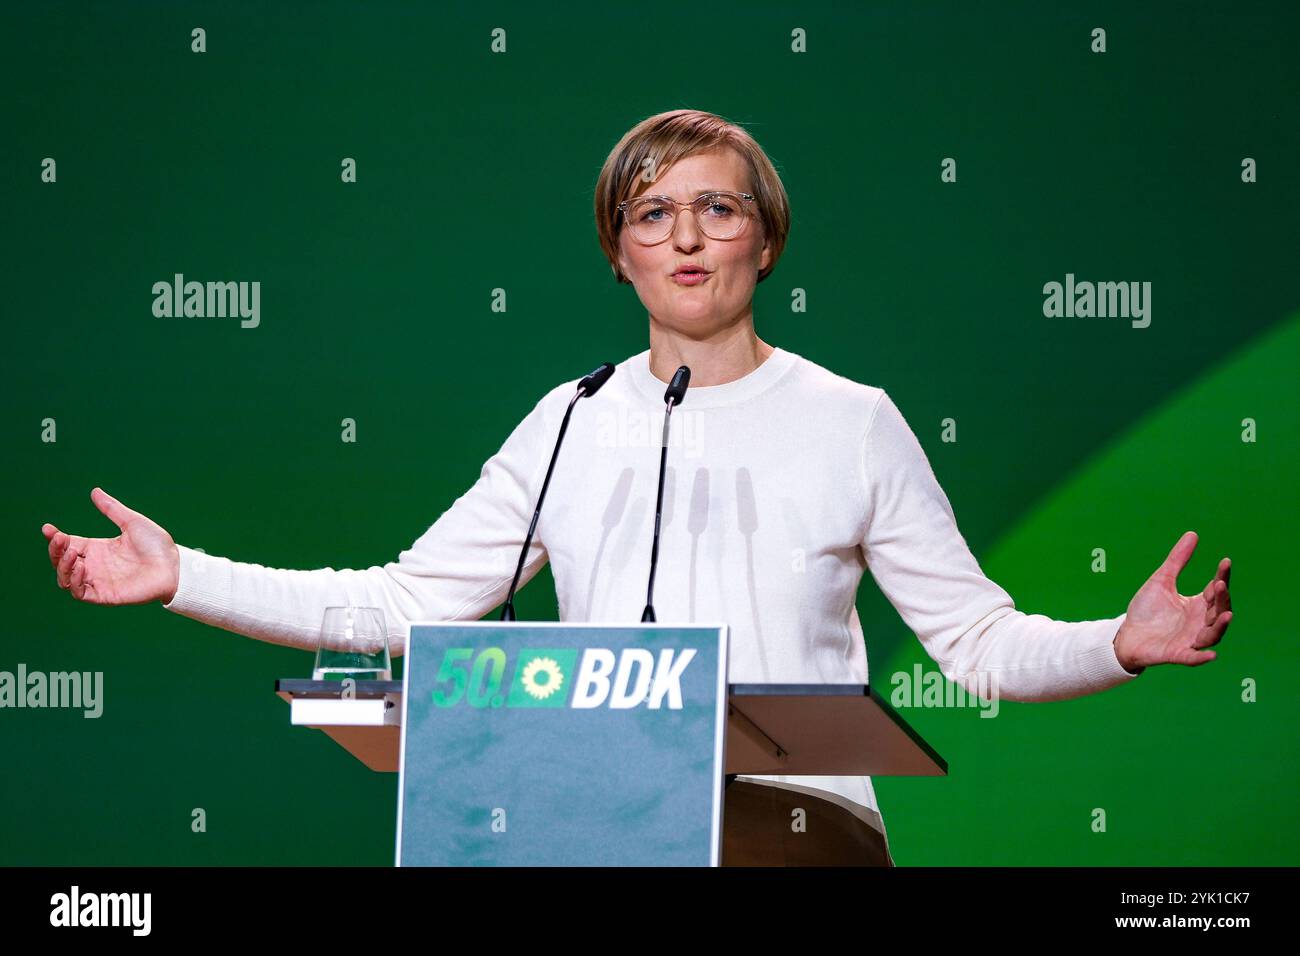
(587,387)
(673,396)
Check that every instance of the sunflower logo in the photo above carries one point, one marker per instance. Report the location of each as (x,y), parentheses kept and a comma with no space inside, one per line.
(542,677)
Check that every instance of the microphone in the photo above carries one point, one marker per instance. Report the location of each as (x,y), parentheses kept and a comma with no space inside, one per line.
(673,396)
(587,387)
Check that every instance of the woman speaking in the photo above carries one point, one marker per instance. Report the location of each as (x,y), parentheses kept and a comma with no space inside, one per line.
(786,482)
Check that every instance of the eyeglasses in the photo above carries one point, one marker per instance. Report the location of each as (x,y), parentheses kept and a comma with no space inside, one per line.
(721,215)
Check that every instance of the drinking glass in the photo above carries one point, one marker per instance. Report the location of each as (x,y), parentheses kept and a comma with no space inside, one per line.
(353,643)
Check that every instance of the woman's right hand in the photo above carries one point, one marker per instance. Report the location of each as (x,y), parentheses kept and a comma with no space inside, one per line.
(141,564)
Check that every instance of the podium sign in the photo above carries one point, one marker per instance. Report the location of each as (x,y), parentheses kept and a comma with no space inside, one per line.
(554,744)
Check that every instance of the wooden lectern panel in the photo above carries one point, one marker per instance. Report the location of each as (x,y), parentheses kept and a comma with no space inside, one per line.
(828,729)
(818,729)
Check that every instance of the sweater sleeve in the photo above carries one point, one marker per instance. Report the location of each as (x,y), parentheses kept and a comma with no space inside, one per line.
(966,622)
(458,569)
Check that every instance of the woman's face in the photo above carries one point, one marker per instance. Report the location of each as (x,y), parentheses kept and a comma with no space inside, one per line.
(701,309)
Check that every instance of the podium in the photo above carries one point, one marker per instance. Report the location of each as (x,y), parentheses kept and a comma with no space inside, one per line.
(541,743)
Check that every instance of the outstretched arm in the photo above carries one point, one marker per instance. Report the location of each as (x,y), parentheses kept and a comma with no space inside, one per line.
(458,569)
(967,623)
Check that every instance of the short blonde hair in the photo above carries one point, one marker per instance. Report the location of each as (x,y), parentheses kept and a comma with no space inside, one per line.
(664,139)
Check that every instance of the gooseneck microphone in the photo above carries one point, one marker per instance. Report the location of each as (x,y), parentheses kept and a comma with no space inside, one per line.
(673,396)
(587,387)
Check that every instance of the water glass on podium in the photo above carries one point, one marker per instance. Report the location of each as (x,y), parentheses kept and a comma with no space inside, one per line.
(353,643)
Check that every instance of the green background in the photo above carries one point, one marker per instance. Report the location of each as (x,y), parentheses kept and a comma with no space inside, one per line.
(475,172)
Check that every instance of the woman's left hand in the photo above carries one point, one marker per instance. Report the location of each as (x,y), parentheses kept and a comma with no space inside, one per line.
(1163,627)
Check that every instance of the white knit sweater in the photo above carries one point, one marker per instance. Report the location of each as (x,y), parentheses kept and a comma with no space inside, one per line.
(783,487)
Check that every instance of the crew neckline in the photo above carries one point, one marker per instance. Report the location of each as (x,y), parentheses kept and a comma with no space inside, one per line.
(713,396)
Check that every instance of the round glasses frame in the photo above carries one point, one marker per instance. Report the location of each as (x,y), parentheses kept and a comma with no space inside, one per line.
(697,206)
